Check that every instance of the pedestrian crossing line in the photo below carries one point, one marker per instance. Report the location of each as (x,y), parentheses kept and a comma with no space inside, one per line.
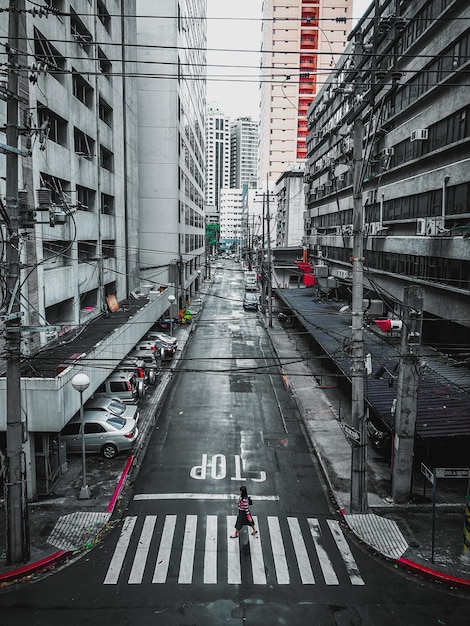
(210,552)
(277,538)
(164,552)
(279,555)
(323,558)
(141,554)
(346,554)
(257,561)
(187,554)
(117,561)
(301,553)
(234,573)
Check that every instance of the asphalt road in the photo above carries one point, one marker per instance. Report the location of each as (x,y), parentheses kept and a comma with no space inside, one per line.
(229,421)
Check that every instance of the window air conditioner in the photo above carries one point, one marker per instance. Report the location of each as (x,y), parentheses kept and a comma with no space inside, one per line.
(419,134)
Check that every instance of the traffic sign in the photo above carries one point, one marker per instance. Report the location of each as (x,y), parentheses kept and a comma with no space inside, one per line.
(427,473)
(452,472)
(351,432)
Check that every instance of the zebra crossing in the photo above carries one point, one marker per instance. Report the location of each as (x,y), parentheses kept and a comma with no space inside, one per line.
(188,548)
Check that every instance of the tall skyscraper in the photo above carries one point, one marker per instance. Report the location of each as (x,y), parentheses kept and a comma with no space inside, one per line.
(301,41)
(171,96)
(217,156)
(243,152)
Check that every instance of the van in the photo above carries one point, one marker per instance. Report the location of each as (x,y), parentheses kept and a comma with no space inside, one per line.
(123,385)
(251,281)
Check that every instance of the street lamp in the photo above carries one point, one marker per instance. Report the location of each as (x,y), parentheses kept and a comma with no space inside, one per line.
(171,300)
(81,382)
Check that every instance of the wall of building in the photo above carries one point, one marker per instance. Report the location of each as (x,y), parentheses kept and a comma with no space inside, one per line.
(415,181)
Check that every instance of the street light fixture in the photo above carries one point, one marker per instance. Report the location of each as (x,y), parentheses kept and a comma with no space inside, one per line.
(81,382)
(171,300)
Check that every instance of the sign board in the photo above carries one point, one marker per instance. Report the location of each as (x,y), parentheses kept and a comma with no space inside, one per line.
(351,432)
(427,473)
(452,472)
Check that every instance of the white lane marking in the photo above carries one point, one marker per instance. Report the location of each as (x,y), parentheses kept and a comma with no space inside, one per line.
(164,553)
(187,554)
(325,563)
(122,545)
(346,554)
(279,555)
(257,562)
(234,576)
(198,496)
(142,550)
(303,561)
(210,554)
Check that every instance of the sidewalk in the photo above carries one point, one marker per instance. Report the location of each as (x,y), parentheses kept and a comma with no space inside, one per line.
(63,526)
(400,533)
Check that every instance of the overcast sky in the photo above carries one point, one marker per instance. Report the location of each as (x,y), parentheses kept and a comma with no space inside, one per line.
(233,51)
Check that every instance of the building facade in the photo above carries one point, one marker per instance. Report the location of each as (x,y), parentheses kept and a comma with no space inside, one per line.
(232,202)
(403,114)
(290,199)
(301,41)
(217,155)
(243,153)
(76,199)
(171,137)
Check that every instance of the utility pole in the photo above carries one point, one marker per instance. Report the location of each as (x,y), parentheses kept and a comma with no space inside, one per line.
(358,498)
(263,277)
(269,270)
(16,503)
(407,394)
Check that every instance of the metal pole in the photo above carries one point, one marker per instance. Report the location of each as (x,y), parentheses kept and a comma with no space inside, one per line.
(85,491)
(16,505)
(270,299)
(359,449)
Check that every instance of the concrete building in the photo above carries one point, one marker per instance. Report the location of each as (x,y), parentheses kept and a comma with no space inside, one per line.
(243,153)
(217,155)
(301,41)
(171,136)
(231,218)
(77,196)
(403,113)
(290,201)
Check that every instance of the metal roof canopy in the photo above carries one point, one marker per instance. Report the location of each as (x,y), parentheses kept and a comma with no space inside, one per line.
(443,406)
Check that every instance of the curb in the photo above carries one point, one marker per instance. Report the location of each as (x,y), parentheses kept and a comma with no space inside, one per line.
(428,572)
(53,559)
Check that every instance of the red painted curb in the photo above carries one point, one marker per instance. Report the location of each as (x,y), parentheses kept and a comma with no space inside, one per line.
(431,573)
(117,491)
(29,569)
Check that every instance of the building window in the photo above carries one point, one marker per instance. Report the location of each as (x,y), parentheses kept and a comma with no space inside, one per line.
(80,32)
(45,53)
(85,198)
(82,90)
(105,113)
(84,145)
(106,159)
(56,129)
(104,16)
(107,204)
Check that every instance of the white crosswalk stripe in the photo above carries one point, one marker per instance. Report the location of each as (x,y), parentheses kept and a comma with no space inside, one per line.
(309,550)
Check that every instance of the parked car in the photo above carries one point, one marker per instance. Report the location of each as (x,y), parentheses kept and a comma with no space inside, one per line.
(250,301)
(133,364)
(150,363)
(113,406)
(105,434)
(163,342)
(123,385)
